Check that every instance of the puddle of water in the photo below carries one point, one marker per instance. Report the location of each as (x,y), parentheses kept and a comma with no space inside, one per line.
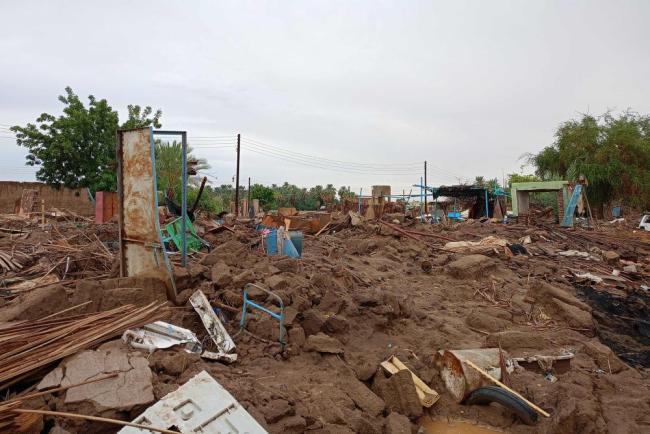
(452,427)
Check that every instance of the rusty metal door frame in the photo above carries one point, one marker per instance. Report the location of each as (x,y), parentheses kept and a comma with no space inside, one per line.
(138,241)
(183,135)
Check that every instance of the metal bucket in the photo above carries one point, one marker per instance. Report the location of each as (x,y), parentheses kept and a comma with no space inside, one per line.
(271,243)
(296,238)
(459,378)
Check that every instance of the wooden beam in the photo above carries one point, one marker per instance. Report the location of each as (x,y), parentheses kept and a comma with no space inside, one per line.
(498,383)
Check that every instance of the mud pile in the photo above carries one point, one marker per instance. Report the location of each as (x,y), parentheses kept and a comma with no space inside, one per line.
(366,292)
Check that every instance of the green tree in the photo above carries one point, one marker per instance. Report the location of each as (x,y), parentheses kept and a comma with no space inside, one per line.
(328,196)
(77,148)
(264,194)
(613,153)
(520,177)
(346,193)
(142,118)
(168,164)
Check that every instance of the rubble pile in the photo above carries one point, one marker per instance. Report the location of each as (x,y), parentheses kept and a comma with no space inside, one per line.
(366,332)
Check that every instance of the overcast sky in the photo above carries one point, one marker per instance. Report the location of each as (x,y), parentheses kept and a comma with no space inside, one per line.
(468,86)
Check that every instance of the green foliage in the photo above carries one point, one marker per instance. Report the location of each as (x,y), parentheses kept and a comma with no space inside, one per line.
(520,177)
(491,184)
(139,118)
(209,201)
(264,194)
(346,193)
(541,199)
(613,153)
(168,164)
(77,148)
(224,194)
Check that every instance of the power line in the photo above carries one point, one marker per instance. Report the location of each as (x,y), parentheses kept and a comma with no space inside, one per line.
(321,162)
(233,137)
(331,166)
(314,157)
(415,166)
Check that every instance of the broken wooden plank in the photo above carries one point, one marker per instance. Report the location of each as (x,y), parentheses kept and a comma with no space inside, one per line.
(427,395)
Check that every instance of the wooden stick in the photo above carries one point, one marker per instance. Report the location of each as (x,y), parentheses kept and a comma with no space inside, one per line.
(322,229)
(15,231)
(65,310)
(498,383)
(103,246)
(425,234)
(94,418)
(59,389)
(406,234)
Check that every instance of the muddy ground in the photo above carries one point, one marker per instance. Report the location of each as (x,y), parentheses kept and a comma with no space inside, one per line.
(365,293)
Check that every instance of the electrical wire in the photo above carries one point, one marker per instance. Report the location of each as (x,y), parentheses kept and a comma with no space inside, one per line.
(377,167)
(332,168)
(234,137)
(415,165)
(329,160)
(321,162)
(328,165)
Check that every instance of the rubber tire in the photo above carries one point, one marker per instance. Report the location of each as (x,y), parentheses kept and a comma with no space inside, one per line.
(488,394)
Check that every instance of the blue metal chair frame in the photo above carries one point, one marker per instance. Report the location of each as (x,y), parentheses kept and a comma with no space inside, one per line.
(247,302)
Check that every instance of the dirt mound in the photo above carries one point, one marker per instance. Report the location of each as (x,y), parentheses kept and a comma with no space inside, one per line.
(359,295)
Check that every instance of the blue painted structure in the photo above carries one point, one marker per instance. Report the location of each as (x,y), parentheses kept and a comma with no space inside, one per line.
(571,206)
(247,302)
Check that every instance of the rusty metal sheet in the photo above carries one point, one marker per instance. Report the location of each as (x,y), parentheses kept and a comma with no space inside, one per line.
(141,248)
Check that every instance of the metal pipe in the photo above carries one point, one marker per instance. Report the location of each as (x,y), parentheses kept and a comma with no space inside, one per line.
(183,199)
(360,192)
(425,186)
(421,193)
(237,178)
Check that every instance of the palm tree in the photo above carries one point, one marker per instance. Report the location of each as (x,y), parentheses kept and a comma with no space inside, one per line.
(168,164)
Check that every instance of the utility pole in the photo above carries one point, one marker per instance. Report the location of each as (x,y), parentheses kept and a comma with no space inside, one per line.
(248,211)
(237,177)
(425,187)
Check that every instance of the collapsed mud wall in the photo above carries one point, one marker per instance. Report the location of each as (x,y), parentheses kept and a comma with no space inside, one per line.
(75,200)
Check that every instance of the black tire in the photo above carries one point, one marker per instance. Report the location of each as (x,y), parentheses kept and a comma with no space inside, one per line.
(488,394)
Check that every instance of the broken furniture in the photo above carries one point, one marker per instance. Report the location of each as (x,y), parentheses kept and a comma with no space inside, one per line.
(201,405)
(173,233)
(248,302)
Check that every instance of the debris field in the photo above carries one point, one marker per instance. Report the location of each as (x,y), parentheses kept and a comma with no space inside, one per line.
(373,310)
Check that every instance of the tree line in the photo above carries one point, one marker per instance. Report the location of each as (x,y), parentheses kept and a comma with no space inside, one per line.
(77,149)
